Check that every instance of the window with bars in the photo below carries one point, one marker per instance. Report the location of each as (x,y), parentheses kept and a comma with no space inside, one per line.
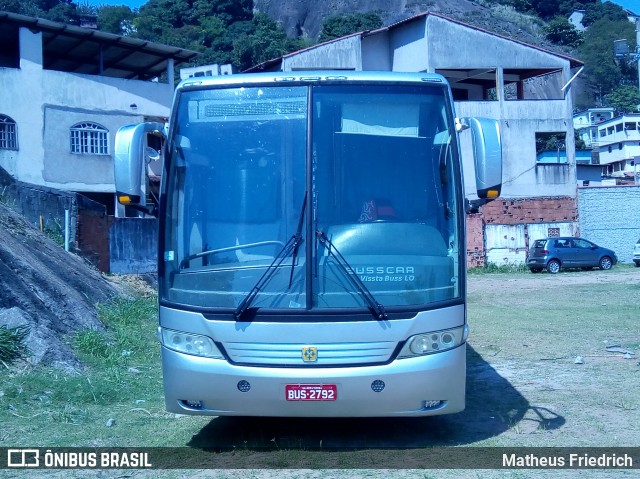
(89,139)
(8,134)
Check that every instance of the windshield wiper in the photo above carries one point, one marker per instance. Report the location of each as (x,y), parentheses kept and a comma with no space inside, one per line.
(377,310)
(291,247)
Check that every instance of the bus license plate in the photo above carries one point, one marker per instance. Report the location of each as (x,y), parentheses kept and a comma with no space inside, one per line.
(311,392)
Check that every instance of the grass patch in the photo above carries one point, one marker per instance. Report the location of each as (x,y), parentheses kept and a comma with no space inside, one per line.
(495,268)
(55,232)
(12,345)
(121,380)
(130,336)
(524,388)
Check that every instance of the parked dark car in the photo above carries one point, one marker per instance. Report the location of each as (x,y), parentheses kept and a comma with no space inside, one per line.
(636,254)
(553,254)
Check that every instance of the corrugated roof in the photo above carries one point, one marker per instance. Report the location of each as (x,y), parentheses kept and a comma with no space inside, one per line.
(75,49)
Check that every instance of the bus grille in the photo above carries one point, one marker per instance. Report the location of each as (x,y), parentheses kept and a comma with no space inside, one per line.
(327,354)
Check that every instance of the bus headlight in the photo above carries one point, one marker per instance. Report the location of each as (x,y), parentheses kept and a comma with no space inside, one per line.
(188,343)
(435,342)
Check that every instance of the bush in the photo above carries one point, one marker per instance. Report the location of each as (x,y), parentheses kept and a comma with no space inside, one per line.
(12,345)
(502,268)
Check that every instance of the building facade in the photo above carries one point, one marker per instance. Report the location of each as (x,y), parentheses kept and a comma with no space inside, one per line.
(65,92)
(526,88)
(619,148)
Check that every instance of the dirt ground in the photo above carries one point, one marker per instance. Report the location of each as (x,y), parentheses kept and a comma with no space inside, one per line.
(576,375)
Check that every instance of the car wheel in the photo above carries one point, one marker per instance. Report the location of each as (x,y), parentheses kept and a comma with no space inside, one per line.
(535,270)
(553,266)
(606,263)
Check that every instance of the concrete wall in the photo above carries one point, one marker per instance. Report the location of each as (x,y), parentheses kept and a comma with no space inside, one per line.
(70,171)
(610,217)
(45,103)
(44,208)
(453,45)
(341,54)
(133,245)
(522,175)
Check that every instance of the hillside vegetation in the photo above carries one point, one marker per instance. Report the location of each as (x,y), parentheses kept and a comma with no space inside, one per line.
(247,32)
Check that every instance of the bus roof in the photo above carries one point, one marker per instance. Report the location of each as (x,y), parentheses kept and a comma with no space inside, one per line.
(311,77)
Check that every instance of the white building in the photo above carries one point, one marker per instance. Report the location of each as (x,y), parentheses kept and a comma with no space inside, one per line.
(619,147)
(206,71)
(525,87)
(586,124)
(575,19)
(65,92)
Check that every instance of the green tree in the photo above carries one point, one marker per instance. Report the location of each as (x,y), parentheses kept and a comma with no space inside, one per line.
(267,41)
(602,71)
(519,5)
(229,11)
(341,25)
(118,20)
(561,32)
(625,99)
(13,6)
(64,11)
(546,9)
(597,11)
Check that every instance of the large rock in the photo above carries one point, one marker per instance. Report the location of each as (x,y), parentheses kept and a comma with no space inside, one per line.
(305,17)
(52,291)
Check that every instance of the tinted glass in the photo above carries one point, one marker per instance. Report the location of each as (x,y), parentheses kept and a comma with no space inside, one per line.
(381,179)
(234,194)
(386,195)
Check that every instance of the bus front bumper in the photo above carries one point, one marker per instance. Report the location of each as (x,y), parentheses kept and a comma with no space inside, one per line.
(421,386)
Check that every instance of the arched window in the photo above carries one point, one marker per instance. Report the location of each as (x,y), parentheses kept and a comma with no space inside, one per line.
(8,133)
(89,139)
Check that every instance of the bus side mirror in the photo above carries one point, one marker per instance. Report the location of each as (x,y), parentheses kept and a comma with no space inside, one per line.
(129,164)
(487,155)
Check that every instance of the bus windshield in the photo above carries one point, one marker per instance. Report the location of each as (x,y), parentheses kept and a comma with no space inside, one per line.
(295,199)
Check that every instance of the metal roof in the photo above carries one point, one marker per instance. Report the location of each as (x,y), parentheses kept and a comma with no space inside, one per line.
(73,49)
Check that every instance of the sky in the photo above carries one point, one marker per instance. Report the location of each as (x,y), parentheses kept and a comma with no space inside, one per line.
(130,3)
(633,5)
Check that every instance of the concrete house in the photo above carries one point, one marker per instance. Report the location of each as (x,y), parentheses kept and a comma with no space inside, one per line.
(65,92)
(619,148)
(527,88)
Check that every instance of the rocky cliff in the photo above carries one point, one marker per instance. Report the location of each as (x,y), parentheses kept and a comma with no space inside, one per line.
(305,17)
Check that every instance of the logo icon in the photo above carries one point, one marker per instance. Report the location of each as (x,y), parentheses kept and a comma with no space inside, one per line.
(23,458)
(309,354)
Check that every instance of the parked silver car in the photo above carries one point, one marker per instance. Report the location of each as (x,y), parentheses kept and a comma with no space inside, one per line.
(636,253)
(553,254)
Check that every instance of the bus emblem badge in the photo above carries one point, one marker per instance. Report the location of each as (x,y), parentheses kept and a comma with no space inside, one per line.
(309,354)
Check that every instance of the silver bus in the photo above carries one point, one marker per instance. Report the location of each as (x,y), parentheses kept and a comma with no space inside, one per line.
(312,242)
